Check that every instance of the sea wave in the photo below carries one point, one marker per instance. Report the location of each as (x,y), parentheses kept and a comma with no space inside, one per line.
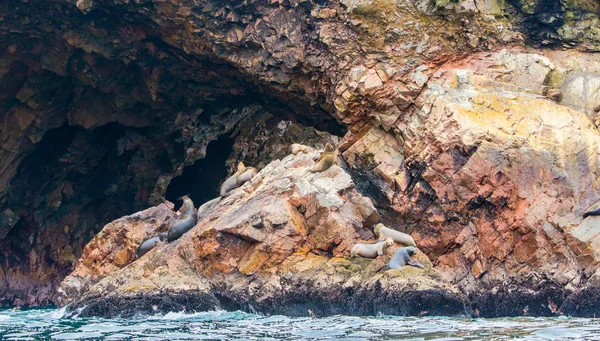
(51,324)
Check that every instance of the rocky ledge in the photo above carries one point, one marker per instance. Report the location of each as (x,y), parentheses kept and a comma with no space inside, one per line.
(280,244)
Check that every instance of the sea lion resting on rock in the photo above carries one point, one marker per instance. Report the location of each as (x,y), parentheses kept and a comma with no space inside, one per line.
(326,160)
(402,258)
(186,220)
(207,207)
(371,250)
(383,232)
(149,244)
(592,210)
(231,182)
(296,148)
(246,176)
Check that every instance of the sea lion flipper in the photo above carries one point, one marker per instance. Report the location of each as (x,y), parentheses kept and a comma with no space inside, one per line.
(592,211)
(415,264)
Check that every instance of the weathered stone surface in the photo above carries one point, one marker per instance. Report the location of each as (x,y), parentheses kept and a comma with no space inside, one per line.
(114,247)
(310,223)
(447,129)
(493,197)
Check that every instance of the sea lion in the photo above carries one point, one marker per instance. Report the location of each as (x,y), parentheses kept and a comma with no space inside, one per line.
(554,95)
(326,160)
(208,207)
(402,258)
(186,220)
(592,210)
(231,182)
(383,232)
(296,148)
(149,244)
(248,174)
(371,250)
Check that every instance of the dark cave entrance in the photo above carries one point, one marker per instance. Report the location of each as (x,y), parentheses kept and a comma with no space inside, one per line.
(59,194)
(201,180)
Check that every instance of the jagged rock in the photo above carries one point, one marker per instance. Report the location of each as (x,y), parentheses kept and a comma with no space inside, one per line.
(501,201)
(311,221)
(132,107)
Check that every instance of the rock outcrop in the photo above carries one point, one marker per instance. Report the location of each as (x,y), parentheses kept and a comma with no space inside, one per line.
(279,244)
(494,178)
(470,124)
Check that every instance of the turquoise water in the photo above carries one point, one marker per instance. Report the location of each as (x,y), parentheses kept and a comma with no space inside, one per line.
(48,324)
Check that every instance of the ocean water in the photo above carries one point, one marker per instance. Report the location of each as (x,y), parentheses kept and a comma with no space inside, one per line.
(49,324)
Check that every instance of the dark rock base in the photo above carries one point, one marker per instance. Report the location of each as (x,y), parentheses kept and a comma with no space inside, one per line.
(585,303)
(144,304)
(548,301)
(520,301)
(364,303)
(407,303)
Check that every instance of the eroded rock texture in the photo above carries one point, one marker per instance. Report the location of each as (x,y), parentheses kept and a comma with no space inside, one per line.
(278,244)
(448,110)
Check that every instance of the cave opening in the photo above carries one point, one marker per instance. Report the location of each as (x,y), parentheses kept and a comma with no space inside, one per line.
(60,196)
(201,180)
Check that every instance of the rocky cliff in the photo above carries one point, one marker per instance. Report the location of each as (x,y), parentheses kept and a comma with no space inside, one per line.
(279,244)
(470,124)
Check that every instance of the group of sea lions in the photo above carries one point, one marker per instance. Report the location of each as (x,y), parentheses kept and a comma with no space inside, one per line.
(387,237)
(240,177)
(186,220)
(189,216)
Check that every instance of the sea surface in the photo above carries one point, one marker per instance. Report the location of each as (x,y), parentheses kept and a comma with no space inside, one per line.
(49,324)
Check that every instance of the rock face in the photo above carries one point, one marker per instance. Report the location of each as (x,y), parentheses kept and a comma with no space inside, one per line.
(461,121)
(494,179)
(278,244)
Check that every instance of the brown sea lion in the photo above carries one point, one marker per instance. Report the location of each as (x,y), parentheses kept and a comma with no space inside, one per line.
(326,160)
(296,148)
(246,176)
(149,244)
(231,182)
(383,232)
(208,207)
(186,220)
(371,250)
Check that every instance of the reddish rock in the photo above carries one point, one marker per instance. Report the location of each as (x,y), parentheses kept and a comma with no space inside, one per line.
(310,221)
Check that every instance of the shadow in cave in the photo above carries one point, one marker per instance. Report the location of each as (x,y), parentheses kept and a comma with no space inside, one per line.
(202,179)
(59,196)
(68,174)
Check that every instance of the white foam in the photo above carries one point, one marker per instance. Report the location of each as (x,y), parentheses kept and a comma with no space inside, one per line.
(58,314)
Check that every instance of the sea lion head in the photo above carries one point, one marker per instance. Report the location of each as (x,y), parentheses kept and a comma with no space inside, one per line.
(251,171)
(389,242)
(162,236)
(328,148)
(377,228)
(188,205)
(411,250)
